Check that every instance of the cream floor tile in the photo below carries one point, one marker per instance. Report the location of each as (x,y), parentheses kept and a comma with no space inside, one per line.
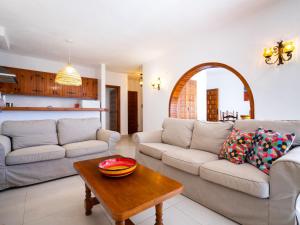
(50,201)
(151,211)
(174,200)
(172,216)
(125,147)
(201,214)
(73,216)
(12,203)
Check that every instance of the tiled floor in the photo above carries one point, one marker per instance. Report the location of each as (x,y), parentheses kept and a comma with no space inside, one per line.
(60,202)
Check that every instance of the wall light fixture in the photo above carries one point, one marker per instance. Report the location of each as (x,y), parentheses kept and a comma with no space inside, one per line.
(156,84)
(280,53)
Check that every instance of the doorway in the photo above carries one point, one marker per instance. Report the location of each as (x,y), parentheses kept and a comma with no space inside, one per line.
(132,112)
(113,103)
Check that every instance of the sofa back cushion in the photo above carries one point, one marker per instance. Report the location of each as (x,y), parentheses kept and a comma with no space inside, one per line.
(177,132)
(76,130)
(281,126)
(210,136)
(30,133)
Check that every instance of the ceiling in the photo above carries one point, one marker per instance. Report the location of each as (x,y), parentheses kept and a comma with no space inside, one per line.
(122,34)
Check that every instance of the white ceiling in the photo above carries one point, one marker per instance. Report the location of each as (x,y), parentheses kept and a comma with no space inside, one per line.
(121,33)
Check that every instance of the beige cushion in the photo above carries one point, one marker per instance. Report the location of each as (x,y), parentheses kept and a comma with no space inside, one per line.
(76,130)
(30,133)
(209,136)
(35,154)
(156,150)
(85,148)
(241,177)
(188,160)
(282,126)
(177,132)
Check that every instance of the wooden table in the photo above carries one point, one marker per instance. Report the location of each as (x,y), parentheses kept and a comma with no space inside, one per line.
(125,197)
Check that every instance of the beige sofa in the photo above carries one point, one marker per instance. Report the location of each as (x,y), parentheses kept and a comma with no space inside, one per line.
(40,150)
(186,150)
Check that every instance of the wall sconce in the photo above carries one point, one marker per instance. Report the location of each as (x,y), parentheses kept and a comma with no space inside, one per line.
(280,53)
(156,84)
(141,81)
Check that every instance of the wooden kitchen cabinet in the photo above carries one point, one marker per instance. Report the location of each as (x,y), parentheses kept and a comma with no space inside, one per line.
(38,83)
(72,91)
(89,88)
(52,88)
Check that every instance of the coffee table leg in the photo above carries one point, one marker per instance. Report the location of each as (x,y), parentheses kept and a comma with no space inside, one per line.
(158,208)
(88,201)
(120,222)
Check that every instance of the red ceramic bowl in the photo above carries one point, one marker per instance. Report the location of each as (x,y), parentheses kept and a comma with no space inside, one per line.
(117,167)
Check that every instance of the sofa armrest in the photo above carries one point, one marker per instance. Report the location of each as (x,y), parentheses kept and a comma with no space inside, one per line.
(5,148)
(285,188)
(111,137)
(147,137)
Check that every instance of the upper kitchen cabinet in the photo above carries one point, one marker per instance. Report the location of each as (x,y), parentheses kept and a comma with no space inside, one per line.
(52,88)
(89,88)
(38,83)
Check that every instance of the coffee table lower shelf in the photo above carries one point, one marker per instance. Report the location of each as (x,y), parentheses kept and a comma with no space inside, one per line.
(90,201)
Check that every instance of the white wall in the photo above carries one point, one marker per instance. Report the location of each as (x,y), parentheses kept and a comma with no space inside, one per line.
(134,85)
(240,45)
(120,79)
(231,91)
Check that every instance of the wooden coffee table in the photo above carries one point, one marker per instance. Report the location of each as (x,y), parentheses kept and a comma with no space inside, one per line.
(127,196)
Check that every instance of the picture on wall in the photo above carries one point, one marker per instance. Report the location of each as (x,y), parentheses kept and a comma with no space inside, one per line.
(246,94)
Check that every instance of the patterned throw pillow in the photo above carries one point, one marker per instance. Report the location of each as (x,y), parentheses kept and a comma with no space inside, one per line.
(268,146)
(236,147)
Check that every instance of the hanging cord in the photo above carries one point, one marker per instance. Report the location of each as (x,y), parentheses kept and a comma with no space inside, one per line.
(69,42)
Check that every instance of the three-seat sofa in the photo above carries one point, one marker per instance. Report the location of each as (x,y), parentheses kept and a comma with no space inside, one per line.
(187,150)
(34,151)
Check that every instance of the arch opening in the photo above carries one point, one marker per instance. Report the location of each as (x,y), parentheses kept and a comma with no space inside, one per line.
(186,77)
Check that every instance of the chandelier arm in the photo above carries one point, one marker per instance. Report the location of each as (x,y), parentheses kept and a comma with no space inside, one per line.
(270,62)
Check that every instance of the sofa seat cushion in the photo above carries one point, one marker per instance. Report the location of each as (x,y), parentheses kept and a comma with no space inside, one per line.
(85,148)
(35,154)
(188,160)
(241,177)
(156,150)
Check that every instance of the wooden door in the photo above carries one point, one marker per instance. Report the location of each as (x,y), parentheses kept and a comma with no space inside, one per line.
(212,104)
(114,110)
(187,101)
(132,112)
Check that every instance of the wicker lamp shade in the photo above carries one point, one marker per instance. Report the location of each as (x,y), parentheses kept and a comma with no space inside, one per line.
(68,76)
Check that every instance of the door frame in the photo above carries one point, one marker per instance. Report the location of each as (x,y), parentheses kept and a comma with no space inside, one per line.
(118,89)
